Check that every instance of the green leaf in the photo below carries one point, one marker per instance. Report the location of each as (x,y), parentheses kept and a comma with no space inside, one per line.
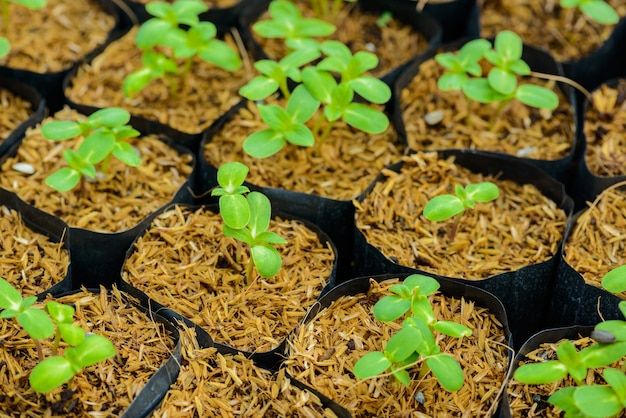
(370,365)
(600,355)
(502,81)
(365,118)
(371,89)
(472,52)
(32,4)
(241,234)
(275,117)
(187,11)
(60,313)
(615,280)
(453,329)
(617,381)
(447,371)
(615,327)
(270,237)
(234,210)
(509,45)
(422,309)
(60,130)
(71,334)
(219,53)
(50,374)
(110,117)
(567,354)
(482,192)
(96,147)
(64,179)
(313,28)
(319,83)
(264,143)
(401,375)
(540,373)
(151,32)
(426,284)
(480,90)
(136,81)
(537,96)
(10,298)
(94,349)
(259,88)
(600,11)
(5,47)
(443,207)
(36,323)
(266,259)
(300,135)
(390,308)
(402,344)
(451,81)
(564,399)
(597,401)
(231,175)
(126,153)
(260,213)
(423,340)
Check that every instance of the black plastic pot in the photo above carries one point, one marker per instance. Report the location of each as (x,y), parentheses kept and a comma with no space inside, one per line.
(266,359)
(403,11)
(448,287)
(50,85)
(552,335)
(525,293)
(539,61)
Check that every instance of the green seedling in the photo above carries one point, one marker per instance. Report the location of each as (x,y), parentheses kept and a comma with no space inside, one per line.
(247,218)
(83,349)
(384,19)
(104,135)
(415,341)
(585,400)
(5,46)
(177,29)
(443,207)
(328,10)
(598,10)
(501,83)
(287,22)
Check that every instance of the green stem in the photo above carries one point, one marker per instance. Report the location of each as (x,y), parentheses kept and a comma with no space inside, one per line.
(494,118)
(57,341)
(324,135)
(315,5)
(324,9)
(284,89)
(105,163)
(336,9)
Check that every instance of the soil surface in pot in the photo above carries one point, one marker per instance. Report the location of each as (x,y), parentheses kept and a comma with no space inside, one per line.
(322,354)
(596,242)
(185,263)
(30,261)
(566,32)
(604,131)
(212,384)
(436,120)
(105,389)
(394,43)
(210,3)
(15,110)
(531,400)
(55,37)
(205,94)
(126,196)
(340,168)
(521,227)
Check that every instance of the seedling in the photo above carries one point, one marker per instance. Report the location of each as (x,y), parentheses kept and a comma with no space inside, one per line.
(247,218)
(501,84)
(104,135)
(84,350)
(166,31)
(326,10)
(415,341)
(443,207)
(287,22)
(588,400)
(5,46)
(598,10)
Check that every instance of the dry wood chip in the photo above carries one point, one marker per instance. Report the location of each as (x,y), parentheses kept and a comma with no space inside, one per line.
(211,384)
(186,263)
(519,130)
(597,243)
(53,38)
(28,259)
(210,3)
(531,400)
(122,200)
(345,164)
(15,110)
(565,32)
(394,43)
(519,228)
(103,390)
(349,328)
(604,130)
(203,97)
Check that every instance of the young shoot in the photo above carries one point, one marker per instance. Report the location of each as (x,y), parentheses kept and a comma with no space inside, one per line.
(177,29)
(501,83)
(247,218)
(328,11)
(104,135)
(588,400)
(443,207)
(416,341)
(83,349)
(597,10)
(5,46)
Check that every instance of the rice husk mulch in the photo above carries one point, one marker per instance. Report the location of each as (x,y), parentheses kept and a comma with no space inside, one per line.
(120,201)
(596,243)
(323,352)
(566,32)
(15,110)
(436,120)
(205,94)
(394,43)
(102,390)
(210,3)
(184,262)
(604,131)
(521,227)
(341,167)
(531,400)
(55,37)
(29,260)
(212,384)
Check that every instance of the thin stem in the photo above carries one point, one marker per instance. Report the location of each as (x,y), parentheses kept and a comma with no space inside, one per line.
(39,349)
(315,5)
(249,270)
(322,137)
(324,8)
(336,8)
(455,226)
(565,80)
(57,341)
(494,118)
(105,164)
